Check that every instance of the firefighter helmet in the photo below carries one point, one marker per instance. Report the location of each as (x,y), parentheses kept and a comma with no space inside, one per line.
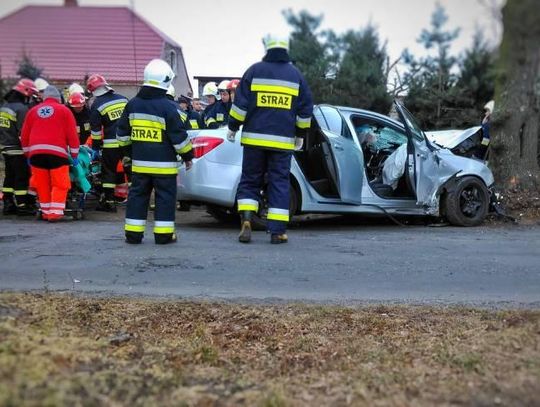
(41,84)
(210,89)
(223,85)
(76,99)
(158,74)
(271,41)
(97,85)
(75,88)
(171,91)
(490,106)
(26,87)
(233,84)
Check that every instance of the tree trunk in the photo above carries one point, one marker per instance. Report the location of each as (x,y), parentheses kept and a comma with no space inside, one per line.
(516,121)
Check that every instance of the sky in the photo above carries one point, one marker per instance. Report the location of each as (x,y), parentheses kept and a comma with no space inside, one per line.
(223,37)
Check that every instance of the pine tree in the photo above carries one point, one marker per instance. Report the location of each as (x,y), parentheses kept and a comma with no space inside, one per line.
(27,68)
(430,79)
(308,52)
(360,79)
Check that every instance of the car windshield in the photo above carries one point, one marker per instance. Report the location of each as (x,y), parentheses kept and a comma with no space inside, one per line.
(412,124)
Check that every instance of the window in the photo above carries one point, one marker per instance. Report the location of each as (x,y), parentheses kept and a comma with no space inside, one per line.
(377,134)
(172,60)
(336,123)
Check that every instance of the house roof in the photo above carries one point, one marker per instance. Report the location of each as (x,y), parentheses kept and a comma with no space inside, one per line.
(71,42)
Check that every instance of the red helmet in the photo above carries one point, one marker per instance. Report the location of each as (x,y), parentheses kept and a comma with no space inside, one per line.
(77,99)
(26,87)
(94,82)
(233,84)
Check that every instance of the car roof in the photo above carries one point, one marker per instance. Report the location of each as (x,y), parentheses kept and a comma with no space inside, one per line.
(363,112)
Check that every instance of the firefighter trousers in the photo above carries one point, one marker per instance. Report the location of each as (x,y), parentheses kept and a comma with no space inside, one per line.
(109,175)
(277,165)
(138,202)
(16,179)
(52,187)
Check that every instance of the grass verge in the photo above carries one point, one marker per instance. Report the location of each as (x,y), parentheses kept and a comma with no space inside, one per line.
(66,350)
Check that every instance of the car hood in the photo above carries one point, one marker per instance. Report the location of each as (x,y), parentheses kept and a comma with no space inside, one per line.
(450,138)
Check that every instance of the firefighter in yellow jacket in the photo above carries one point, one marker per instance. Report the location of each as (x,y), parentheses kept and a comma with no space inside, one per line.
(152,135)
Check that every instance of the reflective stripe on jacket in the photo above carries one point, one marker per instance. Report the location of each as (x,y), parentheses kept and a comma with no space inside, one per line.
(104,115)
(273,102)
(156,134)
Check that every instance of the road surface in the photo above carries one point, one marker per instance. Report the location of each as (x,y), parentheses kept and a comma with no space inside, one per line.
(331,260)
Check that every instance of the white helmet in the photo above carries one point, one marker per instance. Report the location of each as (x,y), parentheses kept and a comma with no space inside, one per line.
(223,85)
(490,106)
(171,91)
(158,74)
(41,84)
(75,88)
(210,89)
(271,41)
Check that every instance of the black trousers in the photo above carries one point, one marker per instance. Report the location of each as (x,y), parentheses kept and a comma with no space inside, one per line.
(110,178)
(16,179)
(139,199)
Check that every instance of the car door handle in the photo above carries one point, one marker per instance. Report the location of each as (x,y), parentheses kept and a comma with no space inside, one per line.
(422,156)
(338,147)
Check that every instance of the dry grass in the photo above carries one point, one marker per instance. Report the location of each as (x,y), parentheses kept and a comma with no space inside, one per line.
(64,350)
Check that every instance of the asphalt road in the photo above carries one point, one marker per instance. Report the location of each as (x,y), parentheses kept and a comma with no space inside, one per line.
(331,260)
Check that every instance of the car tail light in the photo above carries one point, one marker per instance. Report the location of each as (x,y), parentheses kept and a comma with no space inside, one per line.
(204,144)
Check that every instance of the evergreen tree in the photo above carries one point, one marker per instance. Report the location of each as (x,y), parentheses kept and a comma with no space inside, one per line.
(27,68)
(476,83)
(308,51)
(360,79)
(430,79)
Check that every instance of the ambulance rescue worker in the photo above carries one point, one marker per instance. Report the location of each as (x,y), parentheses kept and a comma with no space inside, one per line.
(104,114)
(273,102)
(151,132)
(81,113)
(49,138)
(12,114)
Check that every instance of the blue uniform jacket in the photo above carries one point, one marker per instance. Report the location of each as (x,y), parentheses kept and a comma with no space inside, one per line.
(105,112)
(273,102)
(150,125)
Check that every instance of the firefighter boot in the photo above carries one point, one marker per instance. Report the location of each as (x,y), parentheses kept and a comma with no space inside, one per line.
(245,231)
(279,238)
(27,207)
(106,203)
(9,205)
(164,238)
(134,237)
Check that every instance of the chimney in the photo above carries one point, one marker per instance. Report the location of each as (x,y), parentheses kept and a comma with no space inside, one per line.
(70,3)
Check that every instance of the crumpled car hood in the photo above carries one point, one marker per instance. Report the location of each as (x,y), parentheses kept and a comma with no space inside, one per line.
(451,138)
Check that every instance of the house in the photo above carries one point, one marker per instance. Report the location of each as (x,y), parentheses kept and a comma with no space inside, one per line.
(71,43)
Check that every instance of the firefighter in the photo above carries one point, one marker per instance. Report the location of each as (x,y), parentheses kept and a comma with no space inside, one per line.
(81,113)
(273,102)
(222,115)
(49,139)
(216,113)
(104,114)
(150,132)
(12,114)
(194,119)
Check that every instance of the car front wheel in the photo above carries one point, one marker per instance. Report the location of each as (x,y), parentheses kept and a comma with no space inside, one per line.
(467,203)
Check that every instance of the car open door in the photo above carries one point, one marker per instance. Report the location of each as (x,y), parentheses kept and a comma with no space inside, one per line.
(422,166)
(348,164)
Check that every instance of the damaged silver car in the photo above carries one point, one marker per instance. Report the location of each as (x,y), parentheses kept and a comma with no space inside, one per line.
(353,161)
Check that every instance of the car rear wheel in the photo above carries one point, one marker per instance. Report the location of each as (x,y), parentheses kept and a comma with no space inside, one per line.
(467,203)
(259,221)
